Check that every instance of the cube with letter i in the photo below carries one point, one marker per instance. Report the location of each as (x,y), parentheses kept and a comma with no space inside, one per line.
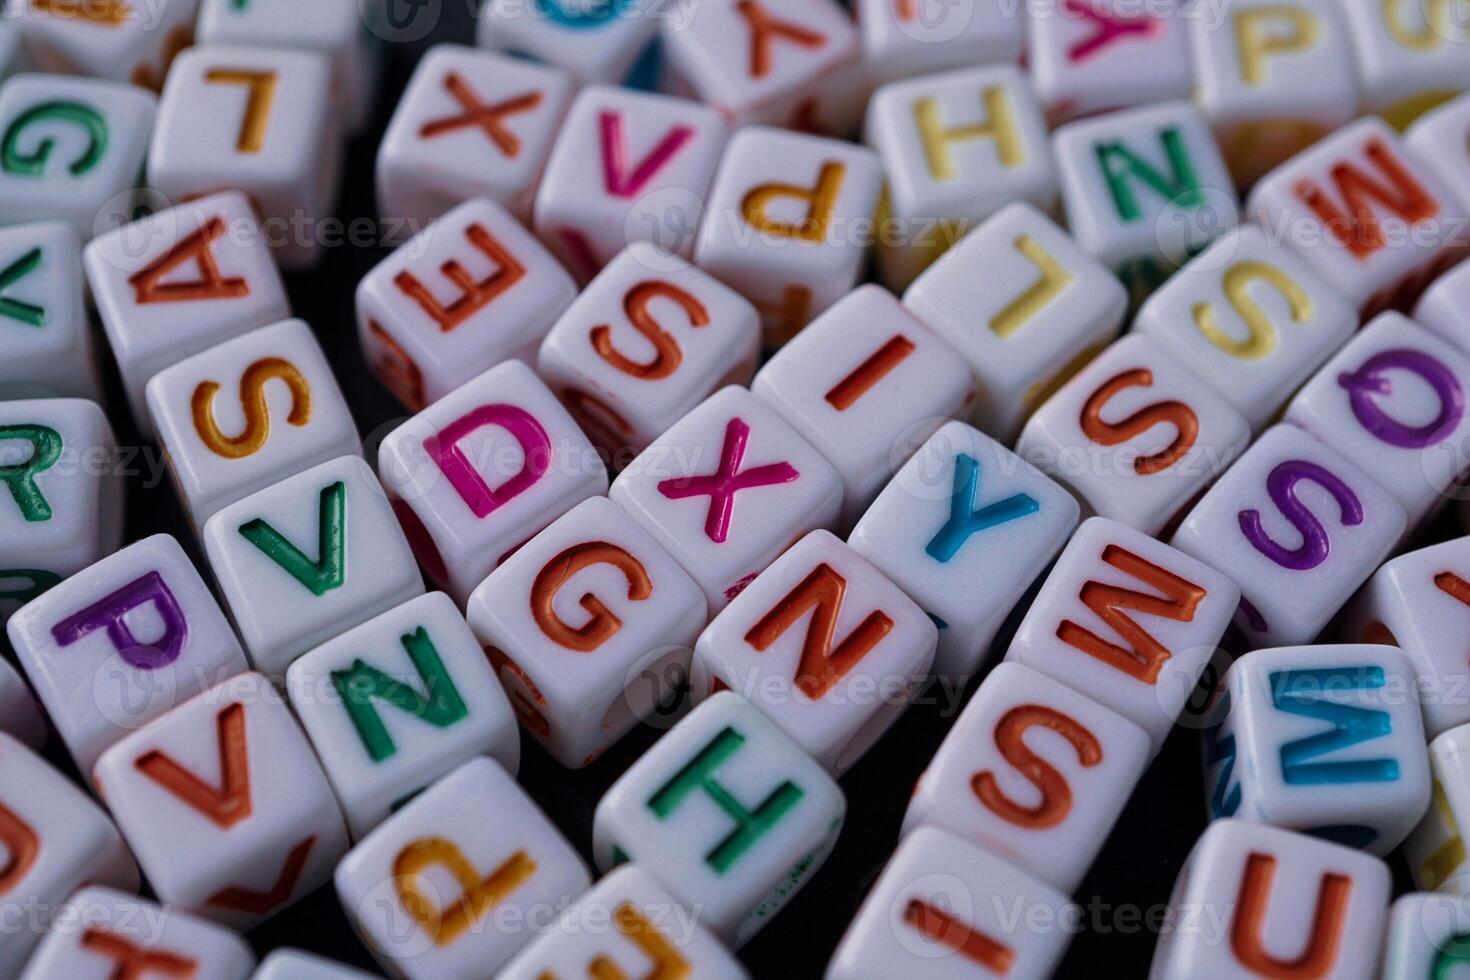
(179,281)
(727,489)
(589,627)
(1327,740)
(110,39)
(46,344)
(440,892)
(727,813)
(1420,603)
(260,120)
(792,63)
(956,148)
(1410,56)
(1128,621)
(789,222)
(61,492)
(397,702)
(1256,901)
(1393,402)
(649,339)
(627,167)
(100,929)
(342,30)
(1144,190)
(1435,851)
(55,839)
(478,473)
(606,43)
(1092,56)
(1273,79)
(225,805)
(1032,771)
(942,909)
(471,290)
(1374,222)
(1251,319)
(823,644)
(1426,935)
(1136,435)
(1025,306)
(469,124)
(247,413)
(904,38)
(122,642)
(1299,527)
(965,528)
(1441,141)
(72,150)
(866,383)
(308,558)
(650,932)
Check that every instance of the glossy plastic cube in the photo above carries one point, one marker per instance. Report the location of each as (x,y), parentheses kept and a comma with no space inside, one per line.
(901,39)
(121,643)
(589,626)
(46,344)
(1424,933)
(1441,141)
(965,528)
(115,41)
(604,43)
(1435,851)
(1410,58)
(397,702)
(1445,307)
(479,472)
(309,558)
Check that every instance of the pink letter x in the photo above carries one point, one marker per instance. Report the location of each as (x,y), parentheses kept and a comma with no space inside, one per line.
(722,485)
(1109,29)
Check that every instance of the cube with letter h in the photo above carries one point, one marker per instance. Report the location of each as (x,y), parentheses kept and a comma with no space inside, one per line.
(727,489)
(823,644)
(478,473)
(649,339)
(1024,305)
(1251,319)
(1410,56)
(397,702)
(55,839)
(789,223)
(965,528)
(727,813)
(61,492)
(1420,603)
(121,642)
(458,881)
(1273,78)
(942,909)
(100,929)
(71,149)
(1299,528)
(607,43)
(865,383)
(473,289)
(1136,435)
(176,282)
(627,167)
(247,413)
(1034,772)
(1144,190)
(651,935)
(225,805)
(589,627)
(1128,621)
(308,558)
(1374,222)
(1288,905)
(792,63)
(956,148)
(1327,740)
(470,124)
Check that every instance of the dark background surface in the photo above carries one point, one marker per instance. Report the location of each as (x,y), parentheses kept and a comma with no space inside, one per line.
(1122,898)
